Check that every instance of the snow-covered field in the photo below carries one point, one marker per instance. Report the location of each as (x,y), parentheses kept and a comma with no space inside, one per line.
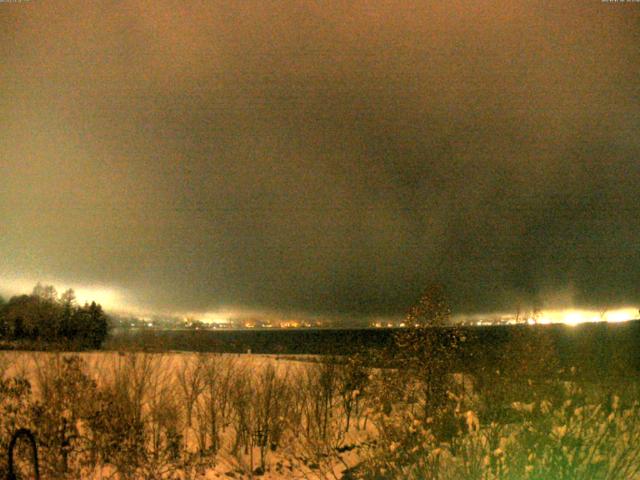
(114,415)
(226,414)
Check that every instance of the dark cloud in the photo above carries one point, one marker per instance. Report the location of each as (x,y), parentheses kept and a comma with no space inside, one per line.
(308,156)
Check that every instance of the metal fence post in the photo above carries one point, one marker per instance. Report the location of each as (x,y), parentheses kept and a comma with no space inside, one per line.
(23,432)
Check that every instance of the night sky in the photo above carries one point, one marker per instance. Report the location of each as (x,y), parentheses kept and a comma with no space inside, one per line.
(326,158)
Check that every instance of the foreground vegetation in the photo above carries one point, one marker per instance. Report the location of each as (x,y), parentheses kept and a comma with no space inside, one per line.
(151,416)
(414,413)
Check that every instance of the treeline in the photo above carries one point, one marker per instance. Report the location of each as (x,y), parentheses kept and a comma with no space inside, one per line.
(45,317)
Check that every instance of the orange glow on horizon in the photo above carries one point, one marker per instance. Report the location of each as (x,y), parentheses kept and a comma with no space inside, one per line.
(573,317)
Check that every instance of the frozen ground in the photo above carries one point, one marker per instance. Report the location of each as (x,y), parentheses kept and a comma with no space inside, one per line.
(295,457)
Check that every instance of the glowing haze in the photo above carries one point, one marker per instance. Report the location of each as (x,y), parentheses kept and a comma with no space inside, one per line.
(322,158)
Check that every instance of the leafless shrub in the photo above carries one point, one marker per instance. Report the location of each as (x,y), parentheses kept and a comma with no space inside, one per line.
(298,401)
(190,381)
(218,376)
(322,432)
(353,375)
(61,381)
(269,409)
(135,375)
(127,422)
(117,432)
(163,424)
(240,397)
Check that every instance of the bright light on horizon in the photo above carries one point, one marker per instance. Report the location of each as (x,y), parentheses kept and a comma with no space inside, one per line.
(105,296)
(117,301)
(566,316)
(573,317)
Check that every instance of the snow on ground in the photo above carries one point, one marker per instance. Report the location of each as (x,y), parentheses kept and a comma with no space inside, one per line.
(292,460)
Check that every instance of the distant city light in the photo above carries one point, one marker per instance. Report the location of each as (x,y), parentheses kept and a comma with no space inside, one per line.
(573,317)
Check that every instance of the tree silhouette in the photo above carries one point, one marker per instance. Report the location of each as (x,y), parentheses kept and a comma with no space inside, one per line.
(45,317)
(427,352)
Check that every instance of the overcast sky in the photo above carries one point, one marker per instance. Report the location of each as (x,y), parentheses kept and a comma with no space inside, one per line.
(323,157)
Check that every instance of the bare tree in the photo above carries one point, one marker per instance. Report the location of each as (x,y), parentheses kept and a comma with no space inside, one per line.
(320,385)
(270,406)
(163,419)
(352,375)
(190,379)
(213,405)
(240,397)
(427,347)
